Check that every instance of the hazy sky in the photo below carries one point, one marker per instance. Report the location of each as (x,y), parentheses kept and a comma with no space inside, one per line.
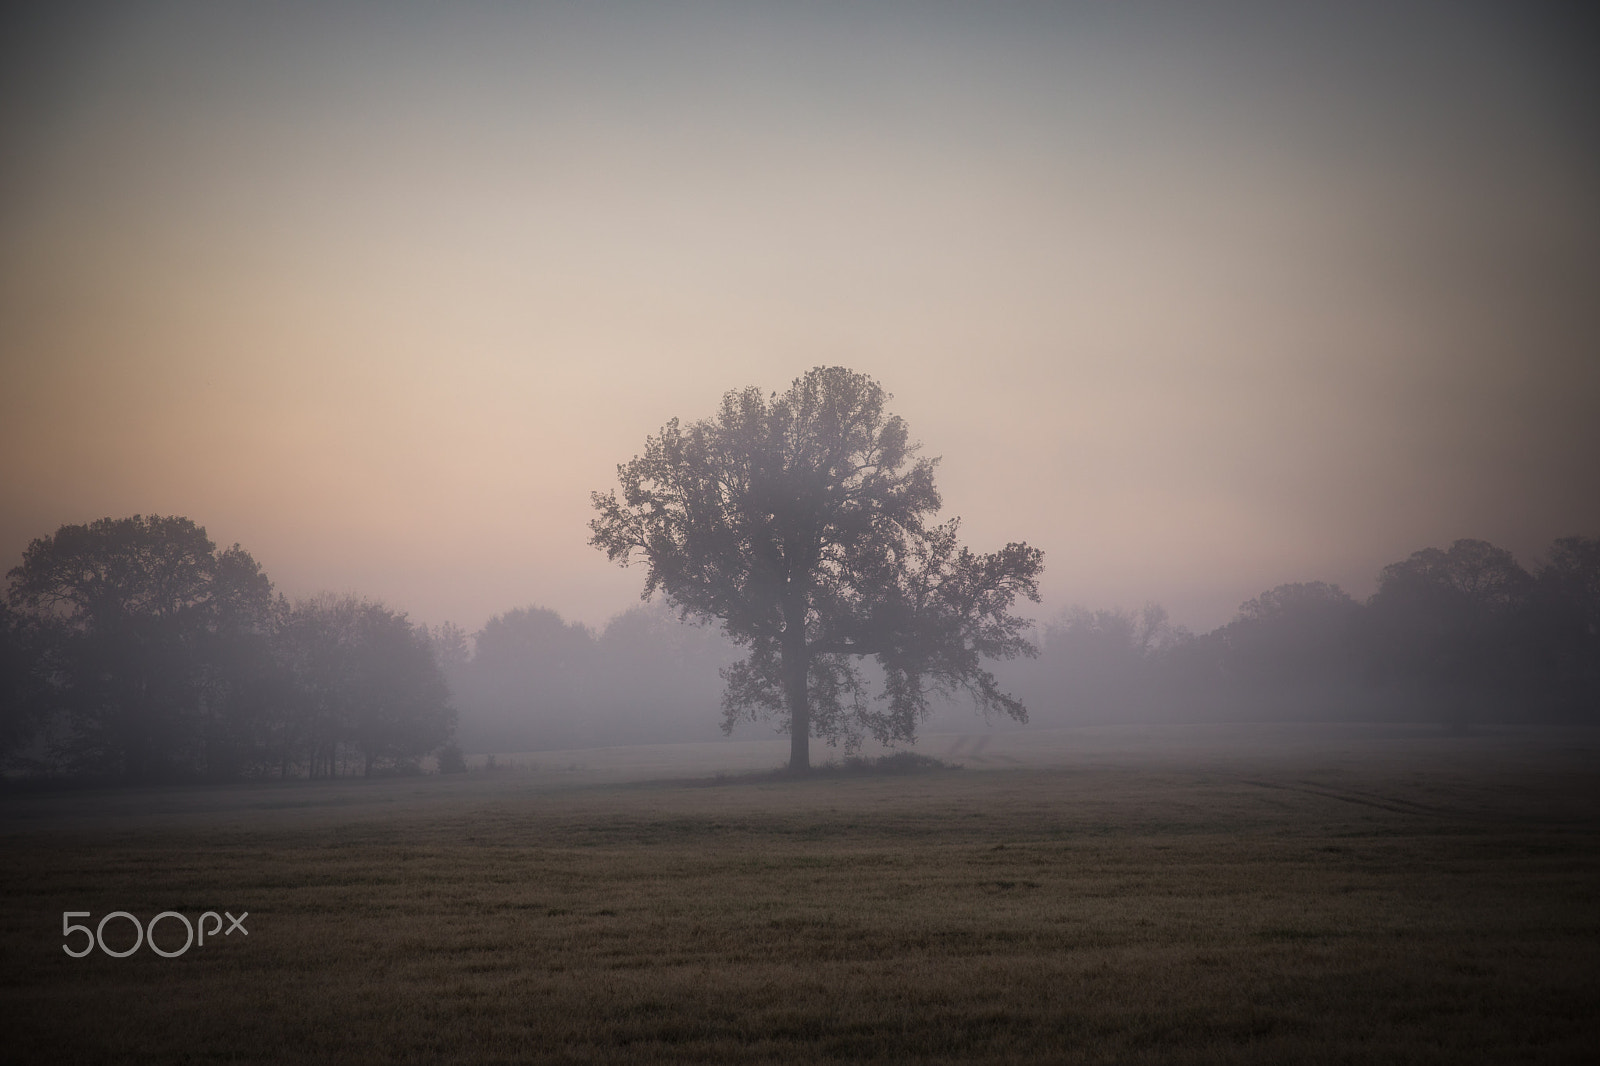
(1197,298)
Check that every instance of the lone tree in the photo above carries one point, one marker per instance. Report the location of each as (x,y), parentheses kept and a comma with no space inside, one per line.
(802,522)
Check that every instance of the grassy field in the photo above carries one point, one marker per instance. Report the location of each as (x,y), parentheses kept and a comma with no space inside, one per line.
(1225,894)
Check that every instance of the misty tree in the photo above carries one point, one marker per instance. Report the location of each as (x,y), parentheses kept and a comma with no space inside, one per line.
(1565,625)
(362,680)
(1100,664)
(803,521)
(528,681)
(142,625)
(401,701)
(24,670)
(452,648)
(1443,622)
(1290,652)
(536,681)
(656,676)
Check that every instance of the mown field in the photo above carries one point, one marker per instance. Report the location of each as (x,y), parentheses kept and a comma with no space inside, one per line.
(1238,894)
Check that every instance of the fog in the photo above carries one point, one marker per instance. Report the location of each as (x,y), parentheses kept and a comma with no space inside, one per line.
(1235,315)
(1461,637)
(1198,303)
(535,683)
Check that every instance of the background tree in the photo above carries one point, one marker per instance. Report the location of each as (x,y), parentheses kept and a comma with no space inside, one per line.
(452,648)
(527,684)
(657,677)
(1564,630)
(801,521)
(1443,624)
(137,616)
(1097,665)
(362,683)
(236,666)
(537,682)
(1290,652)
(24,670)
(401,701)
(154,655)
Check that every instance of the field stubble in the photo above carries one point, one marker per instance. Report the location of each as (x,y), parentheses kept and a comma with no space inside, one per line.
(1200,896)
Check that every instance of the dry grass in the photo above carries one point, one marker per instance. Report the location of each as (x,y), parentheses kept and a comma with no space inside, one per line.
(1206,896)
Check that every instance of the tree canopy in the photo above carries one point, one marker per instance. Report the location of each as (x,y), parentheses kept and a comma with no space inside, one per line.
(1445,621)
(140,620)
(360,675)
(803,522)
(133,648)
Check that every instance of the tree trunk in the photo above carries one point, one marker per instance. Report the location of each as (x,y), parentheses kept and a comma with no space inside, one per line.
(799,727)
(795,669)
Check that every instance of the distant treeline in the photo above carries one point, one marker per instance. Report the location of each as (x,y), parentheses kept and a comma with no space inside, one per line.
(1456,636)
(533,682)
(1453,636)
(133,649)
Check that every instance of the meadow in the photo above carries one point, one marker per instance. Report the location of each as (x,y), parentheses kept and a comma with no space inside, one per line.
(1173,895)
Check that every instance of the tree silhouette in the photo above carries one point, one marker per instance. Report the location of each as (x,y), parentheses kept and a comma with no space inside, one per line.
(142,618)
(1097,665)
(527,682)
(801,521)
(360,678)
(1297,634)
(1566,625)
(1443,621)
(24,665)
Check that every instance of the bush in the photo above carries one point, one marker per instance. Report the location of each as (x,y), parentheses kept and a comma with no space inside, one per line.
(451,760)
(900,762)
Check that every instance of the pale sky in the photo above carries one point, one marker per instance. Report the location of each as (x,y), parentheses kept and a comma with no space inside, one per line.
(1197,298)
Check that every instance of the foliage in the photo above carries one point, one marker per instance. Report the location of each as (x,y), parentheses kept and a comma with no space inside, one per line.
(1454,635)
(538,682)
(450,645)
(803,523)
(1564,632)
(451,761)
(1445,621)
(362,677)
(23,665)
(1100,665)
(147,631)
(150,654)
(528,664)
(1293,644)
(135,649)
